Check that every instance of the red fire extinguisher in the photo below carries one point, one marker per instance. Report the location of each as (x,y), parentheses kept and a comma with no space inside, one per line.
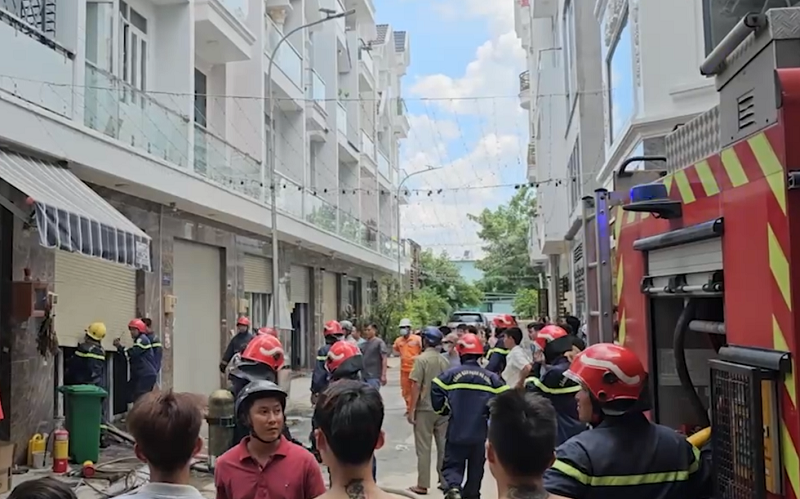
(60,451)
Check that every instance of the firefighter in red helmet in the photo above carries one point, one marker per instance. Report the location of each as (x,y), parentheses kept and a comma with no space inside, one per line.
(141,364)
(496,357)
(464,393)
(268,330)
(238,343)
(624,455)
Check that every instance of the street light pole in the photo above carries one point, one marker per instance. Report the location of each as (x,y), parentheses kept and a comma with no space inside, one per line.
(397,215)
(276,280)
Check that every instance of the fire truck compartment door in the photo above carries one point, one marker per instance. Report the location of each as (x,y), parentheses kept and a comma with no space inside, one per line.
(701,257)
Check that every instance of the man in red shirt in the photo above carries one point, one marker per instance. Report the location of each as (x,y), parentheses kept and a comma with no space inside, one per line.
(265,465)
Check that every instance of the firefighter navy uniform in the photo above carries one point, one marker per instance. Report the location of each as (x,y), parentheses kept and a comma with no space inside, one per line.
(238,343)
(140,361)
(158,350)
(320,378)
(549,381)
(624,456)
(88,364)
(496,357)
(463,392)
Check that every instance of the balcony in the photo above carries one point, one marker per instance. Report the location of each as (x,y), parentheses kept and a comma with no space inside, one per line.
(384,167)
(225,165)
(388,246)
(287,73)
(402,124)
(368,147)
(525,90)
(316,113)
(366,66)
(341,119)
(120,111)
(221,34)
(290,197)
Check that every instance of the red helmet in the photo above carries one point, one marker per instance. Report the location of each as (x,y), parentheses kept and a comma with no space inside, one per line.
(265,349)
(269,331)
(333,328)
(469,344)
(548,334)
(138,325)
(243,321)
(504,321)
(340,352)
(610,372)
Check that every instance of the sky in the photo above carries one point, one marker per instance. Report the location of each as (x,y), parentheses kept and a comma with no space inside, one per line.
(461,91)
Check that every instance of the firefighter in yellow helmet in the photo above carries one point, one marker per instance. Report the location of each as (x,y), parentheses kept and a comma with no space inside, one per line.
(88,365)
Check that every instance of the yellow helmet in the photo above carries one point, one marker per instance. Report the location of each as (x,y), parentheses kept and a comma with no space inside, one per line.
(96,330)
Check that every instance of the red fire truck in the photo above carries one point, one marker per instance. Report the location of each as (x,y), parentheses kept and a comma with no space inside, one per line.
(693,267)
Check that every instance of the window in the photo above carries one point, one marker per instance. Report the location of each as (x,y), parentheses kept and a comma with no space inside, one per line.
(99,35)
(575,175)
(133,47)
(619,71)
(259,309)
(720,16)
(568,42)
(200,99)
(354,295)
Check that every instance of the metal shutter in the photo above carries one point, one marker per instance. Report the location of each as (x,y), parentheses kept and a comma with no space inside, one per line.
(300,285)
(92,290)
(196,336)
(257,274)
(330,309)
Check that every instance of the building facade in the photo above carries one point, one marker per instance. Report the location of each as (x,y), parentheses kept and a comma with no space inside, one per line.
(135,152)
(633,75)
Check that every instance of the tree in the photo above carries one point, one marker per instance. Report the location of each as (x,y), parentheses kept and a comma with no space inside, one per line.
(526,303)
(388,311)
(506,266)
(425,307)
(440,275)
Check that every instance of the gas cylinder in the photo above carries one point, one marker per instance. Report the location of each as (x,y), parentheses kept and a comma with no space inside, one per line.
(221,422)
(60,451)
(37,443)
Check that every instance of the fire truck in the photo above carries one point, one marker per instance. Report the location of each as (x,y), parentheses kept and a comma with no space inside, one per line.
(693,267)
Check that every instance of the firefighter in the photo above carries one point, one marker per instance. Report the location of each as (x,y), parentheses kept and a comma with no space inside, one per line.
(155,344)
(624,455)
(268,331)
(464,393)
(558,348)
(496,357)
(238,342)
(319,379)
(140,361)
(88,365)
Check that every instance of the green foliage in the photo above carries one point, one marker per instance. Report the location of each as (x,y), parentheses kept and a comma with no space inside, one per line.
(441,276)
(526,303)
(425,307)
(387,312)
(506,266)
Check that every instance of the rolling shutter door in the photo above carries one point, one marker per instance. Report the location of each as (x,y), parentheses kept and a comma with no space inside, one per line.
(257,274)
(330,309)
(300,285)
(92,290)
(196,345)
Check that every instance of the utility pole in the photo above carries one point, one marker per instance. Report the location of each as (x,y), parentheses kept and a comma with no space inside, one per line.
(397,196)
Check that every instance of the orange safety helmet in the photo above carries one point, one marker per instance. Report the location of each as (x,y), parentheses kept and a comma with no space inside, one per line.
(138,325)
(610,372)
(269,331)
(469,344)
(504,321)
(265,349)
(333,328)
(339,353)
(548,334)
(243,321)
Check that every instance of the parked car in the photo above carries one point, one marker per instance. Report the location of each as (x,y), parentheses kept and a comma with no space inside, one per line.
(476,319)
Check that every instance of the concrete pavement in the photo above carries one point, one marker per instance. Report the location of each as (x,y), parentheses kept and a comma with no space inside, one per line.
(397,460)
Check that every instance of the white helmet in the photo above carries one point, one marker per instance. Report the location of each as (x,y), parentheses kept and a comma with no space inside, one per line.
(405,323)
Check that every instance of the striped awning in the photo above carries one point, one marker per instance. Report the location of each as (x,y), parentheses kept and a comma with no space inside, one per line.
(71,216)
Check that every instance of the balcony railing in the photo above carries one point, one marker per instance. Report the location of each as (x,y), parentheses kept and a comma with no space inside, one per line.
(321,213)
(524,81)
(237,8)
(288,58)
(224,164)
(316,88)
(367,146)
(120,111)
(365,56)
(401,106)
(289,196)
(341,119)
(383,165)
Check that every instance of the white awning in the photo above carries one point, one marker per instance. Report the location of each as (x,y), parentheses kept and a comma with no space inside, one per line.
(71,216)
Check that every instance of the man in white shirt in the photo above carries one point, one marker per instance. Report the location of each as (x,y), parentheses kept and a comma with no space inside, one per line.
(519,359)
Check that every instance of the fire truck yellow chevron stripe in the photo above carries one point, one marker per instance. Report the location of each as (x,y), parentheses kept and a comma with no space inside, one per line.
(791,462)
(707,179)
(733,167)
(779,343)
(779,266)
(684,187)
(620,279)
(770,166)
(621,335)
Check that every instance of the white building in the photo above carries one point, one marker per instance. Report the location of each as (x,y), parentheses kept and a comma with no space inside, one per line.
(161,107)
(632,74)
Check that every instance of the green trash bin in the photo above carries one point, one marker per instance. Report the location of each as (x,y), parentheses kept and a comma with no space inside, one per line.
(83,407)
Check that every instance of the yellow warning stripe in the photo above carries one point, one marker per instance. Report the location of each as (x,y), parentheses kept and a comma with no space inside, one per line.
(707,179)
(779,343)
(779,265)
(621,335)
(684,187)
(791,462)
(733,167)
(620,278)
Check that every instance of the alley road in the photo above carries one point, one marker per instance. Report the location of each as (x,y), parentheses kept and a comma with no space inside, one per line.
(397,460)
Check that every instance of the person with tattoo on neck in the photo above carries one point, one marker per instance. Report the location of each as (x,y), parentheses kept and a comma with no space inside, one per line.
(624,456)
(349,421)
(559,349)
(266,463)
(464,392)
(521,444)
